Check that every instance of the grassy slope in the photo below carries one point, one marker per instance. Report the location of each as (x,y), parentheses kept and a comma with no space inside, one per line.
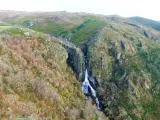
(147,22)
(35,80)
(79,29)
(87,32)
(139,61)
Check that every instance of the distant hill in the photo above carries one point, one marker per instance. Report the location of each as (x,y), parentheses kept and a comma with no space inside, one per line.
(148,22)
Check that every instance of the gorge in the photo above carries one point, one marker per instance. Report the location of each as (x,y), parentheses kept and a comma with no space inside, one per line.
(48,58)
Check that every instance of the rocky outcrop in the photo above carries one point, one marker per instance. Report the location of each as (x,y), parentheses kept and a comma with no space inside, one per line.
(98,58)
(111,61)
(75,58)
(141,29)
(123,45)
(147,34)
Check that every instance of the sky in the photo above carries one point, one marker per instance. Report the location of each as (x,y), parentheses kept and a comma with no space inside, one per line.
(125,8)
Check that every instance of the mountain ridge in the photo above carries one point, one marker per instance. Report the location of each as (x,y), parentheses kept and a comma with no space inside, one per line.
(122,56)
(148,22)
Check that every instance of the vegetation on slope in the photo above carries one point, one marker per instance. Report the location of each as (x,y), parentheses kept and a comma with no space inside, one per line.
(35,81)
(151,23)
(78,30)
(126,64)
(87,32)
(123,57)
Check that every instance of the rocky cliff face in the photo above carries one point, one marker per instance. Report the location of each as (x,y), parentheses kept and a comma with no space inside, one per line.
(126,83)
(76,59)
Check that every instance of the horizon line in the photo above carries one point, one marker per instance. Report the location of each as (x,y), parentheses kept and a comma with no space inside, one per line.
(26,11)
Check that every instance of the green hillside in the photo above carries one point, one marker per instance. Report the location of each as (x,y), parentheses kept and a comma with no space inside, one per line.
(35,80)
(45,54)
(151,23)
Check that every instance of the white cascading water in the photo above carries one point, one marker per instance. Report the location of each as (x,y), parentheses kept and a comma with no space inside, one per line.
(85,86)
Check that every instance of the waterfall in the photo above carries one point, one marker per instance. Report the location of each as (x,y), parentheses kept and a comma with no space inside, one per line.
(86,85)
(87,88)
(86,76)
